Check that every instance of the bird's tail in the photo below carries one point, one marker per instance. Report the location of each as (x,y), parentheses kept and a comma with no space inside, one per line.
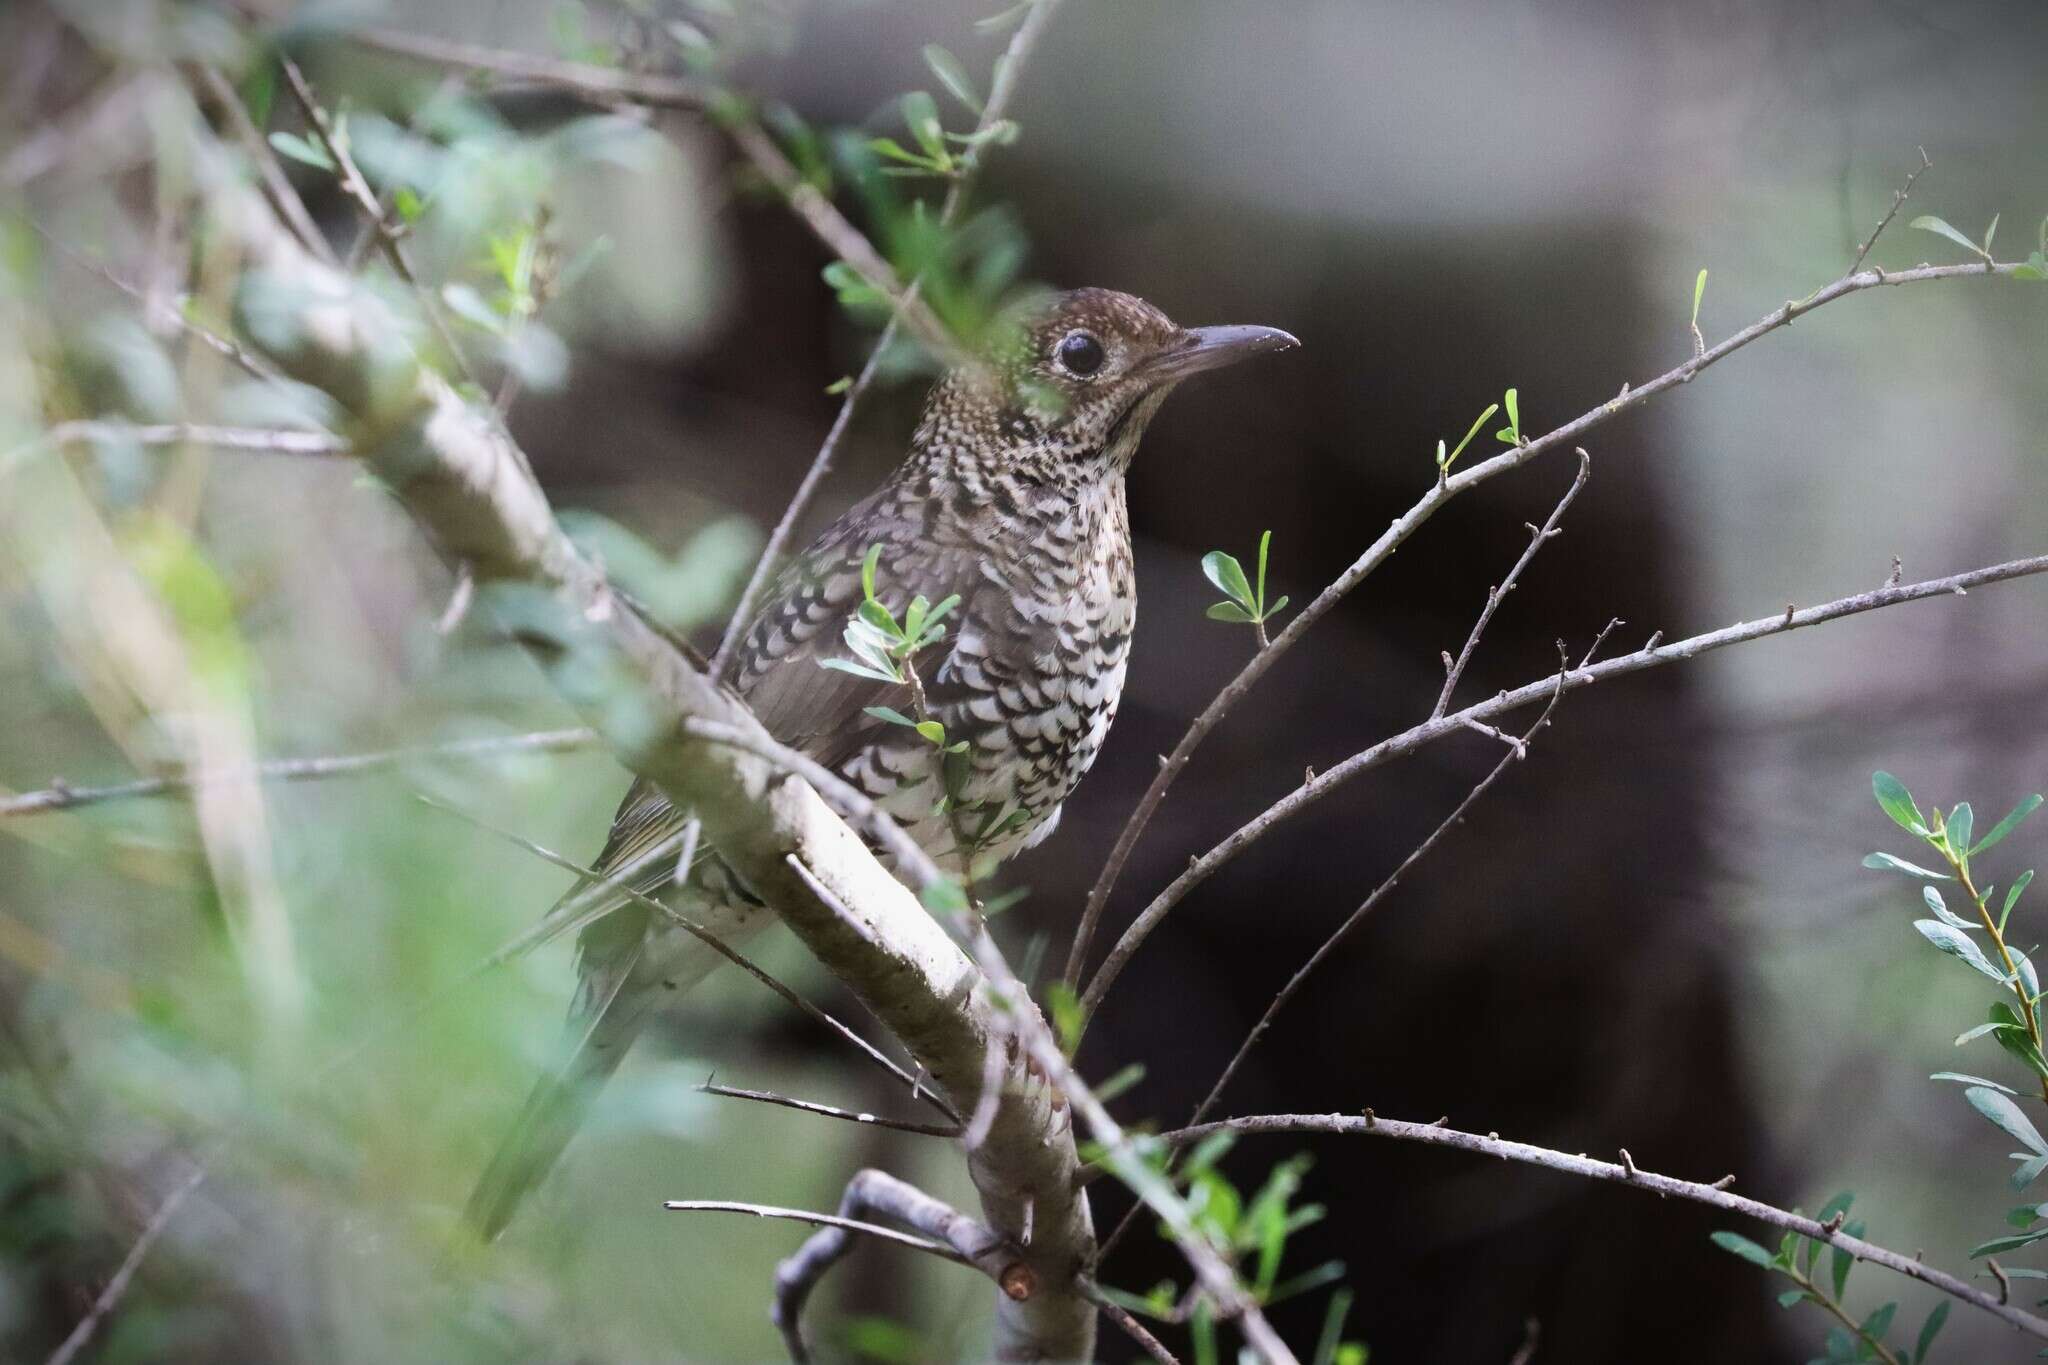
(603,1022)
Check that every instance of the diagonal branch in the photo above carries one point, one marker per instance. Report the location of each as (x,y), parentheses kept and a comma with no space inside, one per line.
(1628,1173)
(1539,536)
(1653,655)
(81,1335)
(730,1092)
(1427,506)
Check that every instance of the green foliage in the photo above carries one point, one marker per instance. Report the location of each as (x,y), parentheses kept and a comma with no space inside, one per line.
(883,647)
(1247,603)
(1927,222)
(1796,1259)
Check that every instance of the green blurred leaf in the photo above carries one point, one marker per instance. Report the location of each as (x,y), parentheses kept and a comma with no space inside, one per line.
(952,75)
(1960,821)
(1957,944)
(1971,1080)
(2012,896)
(1121,1082)
(1229,611)
(299,149)
(2010,823)
(2003,1112)
(1885,862)
(1699,291)
(1333,1328)
(1736,1244)
(1879,1322)
(1927,222)
(895,717)
(1998,1245)
(1929,1330)
(1897,802)
(921,116)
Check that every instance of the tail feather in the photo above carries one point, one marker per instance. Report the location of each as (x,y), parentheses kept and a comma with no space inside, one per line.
(558,1105)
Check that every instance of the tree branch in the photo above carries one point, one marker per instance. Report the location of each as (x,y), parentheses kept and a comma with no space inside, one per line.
(1652,656)
(1427,506)
(81,1335)
(1714,1195)
(828,1111)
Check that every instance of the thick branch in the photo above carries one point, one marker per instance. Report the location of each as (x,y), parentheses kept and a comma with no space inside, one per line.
(1628,1173)
(458,474)
(1426,507)
(1653,655)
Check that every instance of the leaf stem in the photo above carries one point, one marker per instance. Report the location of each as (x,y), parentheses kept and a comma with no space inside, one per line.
(1960,864)
(1877,1346)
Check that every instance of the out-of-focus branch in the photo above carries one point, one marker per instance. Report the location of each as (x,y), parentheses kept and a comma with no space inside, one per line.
(60,795)
(277,186)
(81,1335)
(456,471)
(828,1111)
(1652,655)
(1427,506)
(1628,1173)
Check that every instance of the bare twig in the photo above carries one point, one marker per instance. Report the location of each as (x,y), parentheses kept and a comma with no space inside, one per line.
(274,440)
(590,901)
(1009,70)
(81,1335)
(951,1130)
(821,1219)
(1431,502)
(1532,1334)
(1654,655)
(65,796)
(1663,1185)
(277,186)
(1131,1327)
(1538,537)
(1351,922)
(584,78)
(1898,202)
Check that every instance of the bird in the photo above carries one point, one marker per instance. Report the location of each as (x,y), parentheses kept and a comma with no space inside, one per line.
(1007,516)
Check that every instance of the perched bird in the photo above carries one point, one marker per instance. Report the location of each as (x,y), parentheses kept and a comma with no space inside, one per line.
(1012,499)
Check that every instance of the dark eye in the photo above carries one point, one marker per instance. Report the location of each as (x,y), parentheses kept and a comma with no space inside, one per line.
(1079,354)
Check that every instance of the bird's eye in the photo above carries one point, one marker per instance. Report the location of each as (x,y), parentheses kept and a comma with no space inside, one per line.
(1079,354)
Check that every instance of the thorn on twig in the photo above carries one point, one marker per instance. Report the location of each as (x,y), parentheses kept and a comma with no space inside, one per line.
(1308,774)
(2004,1282)
(1371,1119)
(1655,637)
(1834,1224)
(1628,1165)
(1441,1121)
(1724,1182)
(1790,612)
(1449,662)
(1898,572)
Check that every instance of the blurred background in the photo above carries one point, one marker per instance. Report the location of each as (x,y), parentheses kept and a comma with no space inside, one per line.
(1654,934)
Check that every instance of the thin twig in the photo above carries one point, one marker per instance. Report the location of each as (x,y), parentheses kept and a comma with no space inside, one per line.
(1431,502)
(1898,202)
(65,796)
(1538,537)
(1009,70)
(1124,1319)
(584,78)
(1416,737)
(828,1220)
(878,1193)
(950,1130)
(81,1335)
(598,885)
(1351,922)
(1714,1196)
(277,186)
(272,440)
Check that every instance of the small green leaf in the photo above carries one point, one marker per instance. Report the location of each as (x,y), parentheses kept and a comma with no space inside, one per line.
(1265,543)
(1989,233)
(1229,611)
(1790,1297)
(1514,416)
(1121,1082)
(952,75)
(1064,1007)
(1928,1331)
(2020,1044)
(1957,944)
(867,570)
(2036,267)
(2012,896)
(839,385)
(1279,605)
(1879,1322)
(1228,575)
(1333,1328)
(1941,910)
(2003,1244)
(408,204)
(1885,862)
(932,731)
(1927,222)
(2007,1116)
(858,670)
(2028,1171)
(1840,1262)
(1970,1035)
(299,149)
(2006,826)
(1971,1080)
(945,897)
(877,615)
(921,116)
(1699,290)
(1446,461)
(1736,1244)
(1958,832)
(1898,803)
(895,717)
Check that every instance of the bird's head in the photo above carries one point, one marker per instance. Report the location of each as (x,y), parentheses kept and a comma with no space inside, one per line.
(1071,384)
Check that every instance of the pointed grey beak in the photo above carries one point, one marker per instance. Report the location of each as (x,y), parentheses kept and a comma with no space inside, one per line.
(1210,348)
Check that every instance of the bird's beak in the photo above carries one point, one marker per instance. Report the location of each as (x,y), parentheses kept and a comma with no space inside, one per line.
(1209,348)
